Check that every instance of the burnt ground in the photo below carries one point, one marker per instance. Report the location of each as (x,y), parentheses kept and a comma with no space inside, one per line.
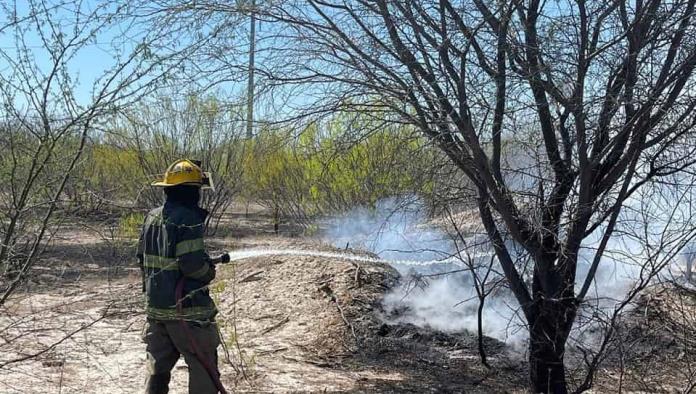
(290,324)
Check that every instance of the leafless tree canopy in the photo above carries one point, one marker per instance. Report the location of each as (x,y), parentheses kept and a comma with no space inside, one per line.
(597,95)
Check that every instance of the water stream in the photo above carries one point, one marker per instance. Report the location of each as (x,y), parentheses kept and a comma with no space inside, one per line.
(251,253)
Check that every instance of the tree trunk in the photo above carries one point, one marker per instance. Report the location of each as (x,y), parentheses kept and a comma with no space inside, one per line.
(546,369)
(547,338)
(481,347)
(276,219)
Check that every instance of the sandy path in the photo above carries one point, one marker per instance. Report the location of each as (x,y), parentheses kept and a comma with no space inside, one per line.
(290,333)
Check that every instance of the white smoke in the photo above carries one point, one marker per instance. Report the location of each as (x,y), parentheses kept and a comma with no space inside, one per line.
(449,303)
(393,230)
(398,231)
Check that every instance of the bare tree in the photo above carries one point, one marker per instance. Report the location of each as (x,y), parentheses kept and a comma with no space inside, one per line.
(201,128)
(655,224)
(49,114)
(485,279)
(596,97)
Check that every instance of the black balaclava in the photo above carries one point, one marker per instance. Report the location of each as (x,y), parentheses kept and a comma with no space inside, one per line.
(187,195)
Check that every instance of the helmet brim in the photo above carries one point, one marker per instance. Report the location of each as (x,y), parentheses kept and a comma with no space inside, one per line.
(165,184)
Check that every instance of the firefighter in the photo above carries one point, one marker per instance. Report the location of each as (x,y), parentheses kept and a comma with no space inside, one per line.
(176,273)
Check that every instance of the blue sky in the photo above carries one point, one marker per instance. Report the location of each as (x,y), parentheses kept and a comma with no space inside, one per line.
(226,75)
(103,50)
(84,67)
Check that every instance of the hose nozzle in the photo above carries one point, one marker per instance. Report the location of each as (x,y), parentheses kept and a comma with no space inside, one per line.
(221,259)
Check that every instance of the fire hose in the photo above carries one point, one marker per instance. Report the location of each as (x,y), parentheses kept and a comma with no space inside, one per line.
(203,358)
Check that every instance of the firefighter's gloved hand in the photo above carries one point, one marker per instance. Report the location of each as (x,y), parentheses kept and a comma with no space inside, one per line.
(210,274)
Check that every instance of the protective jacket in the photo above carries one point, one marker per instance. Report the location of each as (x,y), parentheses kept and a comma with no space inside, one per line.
(171,250)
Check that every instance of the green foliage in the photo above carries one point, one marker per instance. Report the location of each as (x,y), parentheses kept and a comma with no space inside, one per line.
(320,169)
(129,225)
(114,169)
(311,230)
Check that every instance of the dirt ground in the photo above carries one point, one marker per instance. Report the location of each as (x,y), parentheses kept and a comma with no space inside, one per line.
(289,323)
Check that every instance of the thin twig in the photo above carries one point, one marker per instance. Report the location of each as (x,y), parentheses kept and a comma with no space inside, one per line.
(55,344)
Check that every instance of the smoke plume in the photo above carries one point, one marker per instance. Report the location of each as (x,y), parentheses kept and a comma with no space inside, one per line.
(449,303)
(395,232)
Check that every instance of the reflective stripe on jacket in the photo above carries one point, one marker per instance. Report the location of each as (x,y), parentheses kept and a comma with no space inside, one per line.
(171,248)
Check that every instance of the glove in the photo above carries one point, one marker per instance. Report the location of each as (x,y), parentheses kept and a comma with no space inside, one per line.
(210,275)
(212,272)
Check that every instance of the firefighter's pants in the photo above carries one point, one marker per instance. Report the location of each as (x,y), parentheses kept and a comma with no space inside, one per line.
(167,340)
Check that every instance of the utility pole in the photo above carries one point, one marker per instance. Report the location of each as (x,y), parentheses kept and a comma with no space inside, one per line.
(250,83)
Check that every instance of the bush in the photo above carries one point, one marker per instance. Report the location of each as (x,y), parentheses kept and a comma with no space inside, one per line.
(321,169)
(129,226)
(318,172)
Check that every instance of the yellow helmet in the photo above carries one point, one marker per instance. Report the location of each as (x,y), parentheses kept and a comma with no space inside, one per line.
(185,172)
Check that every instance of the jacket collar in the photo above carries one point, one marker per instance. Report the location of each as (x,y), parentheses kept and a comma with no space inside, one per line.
(177,205)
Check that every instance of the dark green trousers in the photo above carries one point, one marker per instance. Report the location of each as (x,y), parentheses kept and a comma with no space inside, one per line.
(166,341)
